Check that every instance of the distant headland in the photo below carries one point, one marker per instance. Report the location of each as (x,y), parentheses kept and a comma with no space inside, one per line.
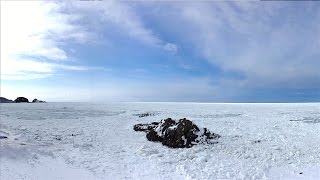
(20,100)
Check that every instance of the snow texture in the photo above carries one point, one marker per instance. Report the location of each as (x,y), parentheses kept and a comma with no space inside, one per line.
(96,141)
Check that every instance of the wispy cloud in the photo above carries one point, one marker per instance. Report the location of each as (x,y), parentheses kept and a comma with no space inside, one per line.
(125,18)
(270,43)
(32,37)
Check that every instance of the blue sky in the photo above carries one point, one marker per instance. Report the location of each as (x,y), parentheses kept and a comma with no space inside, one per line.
(161,51)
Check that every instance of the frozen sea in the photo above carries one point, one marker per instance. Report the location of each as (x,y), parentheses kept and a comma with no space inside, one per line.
(96,141)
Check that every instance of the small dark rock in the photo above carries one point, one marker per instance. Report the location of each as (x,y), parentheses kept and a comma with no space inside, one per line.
(21,100)
(57,138)
(3,137)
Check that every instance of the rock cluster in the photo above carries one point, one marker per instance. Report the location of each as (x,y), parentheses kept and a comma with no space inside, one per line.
(19,100)
(177,134)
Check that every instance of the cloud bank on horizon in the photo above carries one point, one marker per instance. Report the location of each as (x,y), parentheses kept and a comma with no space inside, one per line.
(161,51)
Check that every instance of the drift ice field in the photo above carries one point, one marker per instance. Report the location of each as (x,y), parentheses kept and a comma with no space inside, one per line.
(97,141)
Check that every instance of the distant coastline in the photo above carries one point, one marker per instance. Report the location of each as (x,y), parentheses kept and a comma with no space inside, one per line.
(20,100)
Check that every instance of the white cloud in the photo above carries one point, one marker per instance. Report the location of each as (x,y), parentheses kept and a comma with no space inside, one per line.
(32,35)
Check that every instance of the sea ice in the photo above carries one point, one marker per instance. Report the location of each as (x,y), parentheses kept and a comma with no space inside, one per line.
(96,141)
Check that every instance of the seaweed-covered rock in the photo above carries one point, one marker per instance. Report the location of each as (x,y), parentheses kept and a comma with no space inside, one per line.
(21,100)
(181,134)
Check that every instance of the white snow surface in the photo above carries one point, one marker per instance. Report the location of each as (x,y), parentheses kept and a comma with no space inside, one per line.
(97,141)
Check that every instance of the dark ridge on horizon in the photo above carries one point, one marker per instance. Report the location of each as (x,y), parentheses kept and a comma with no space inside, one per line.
(20,100)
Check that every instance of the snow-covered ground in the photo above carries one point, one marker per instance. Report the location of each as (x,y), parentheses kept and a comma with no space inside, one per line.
(96,141)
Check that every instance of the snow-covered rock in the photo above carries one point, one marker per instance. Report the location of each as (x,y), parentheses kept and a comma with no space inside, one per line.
(181,134)
(145,127)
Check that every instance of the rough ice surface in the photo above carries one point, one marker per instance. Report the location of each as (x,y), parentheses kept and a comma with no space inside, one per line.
(96,141)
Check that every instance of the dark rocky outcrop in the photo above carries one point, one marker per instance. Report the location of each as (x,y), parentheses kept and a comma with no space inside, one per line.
(177,134)
(37,101)
(21,100)
(5,100)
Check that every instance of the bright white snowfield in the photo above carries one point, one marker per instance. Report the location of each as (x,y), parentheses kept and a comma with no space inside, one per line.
(258,141)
